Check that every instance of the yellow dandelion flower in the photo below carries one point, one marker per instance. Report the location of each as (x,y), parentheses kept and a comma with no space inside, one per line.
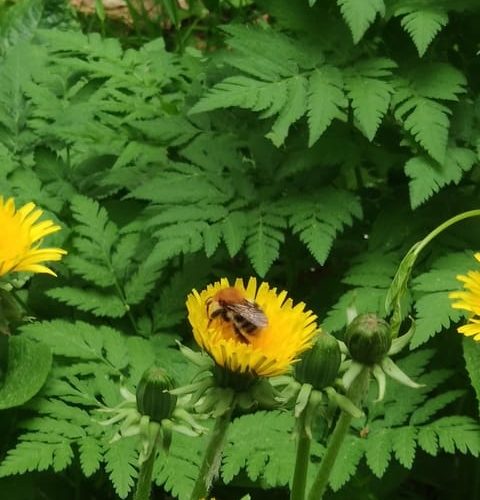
(21,237)
(469,300)
(270,351)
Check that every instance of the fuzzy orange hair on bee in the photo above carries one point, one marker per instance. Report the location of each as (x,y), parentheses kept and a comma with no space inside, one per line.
(232,306)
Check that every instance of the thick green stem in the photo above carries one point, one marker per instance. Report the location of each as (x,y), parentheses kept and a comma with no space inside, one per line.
(212,458)
(144,483)
(301,464)
(355,394)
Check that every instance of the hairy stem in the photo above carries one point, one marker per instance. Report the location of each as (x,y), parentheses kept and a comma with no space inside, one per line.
(212,458)
(355,394)
(144,483)
(301,463)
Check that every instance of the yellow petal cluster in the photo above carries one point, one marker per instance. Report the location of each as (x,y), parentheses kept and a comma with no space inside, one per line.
(20,239)
(271,350)
(469,300)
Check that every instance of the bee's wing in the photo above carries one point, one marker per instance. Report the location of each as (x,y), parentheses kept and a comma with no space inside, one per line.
(251,312)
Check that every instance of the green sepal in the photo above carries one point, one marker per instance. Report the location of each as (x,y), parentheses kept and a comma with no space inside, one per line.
(302,399)
(343,403)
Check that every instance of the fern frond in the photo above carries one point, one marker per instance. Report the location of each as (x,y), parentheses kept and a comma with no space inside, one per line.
(326,100)
(90,300)
(422,22)
(433,307)
(19,23)
(178,472)
(318,222)
(370,91)
(428,177)
(360,15)
(264,238)
(121,458)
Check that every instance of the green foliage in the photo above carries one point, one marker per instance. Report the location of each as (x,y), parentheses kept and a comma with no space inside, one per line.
(406,421)
(359,15)
(257,445)
(432,306)
(310,143)
(472,364)
(92,363)
(422,21)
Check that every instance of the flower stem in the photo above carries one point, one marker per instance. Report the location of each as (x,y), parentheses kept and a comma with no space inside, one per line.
(144,483)
(355,394)
(301,463)
(212,458)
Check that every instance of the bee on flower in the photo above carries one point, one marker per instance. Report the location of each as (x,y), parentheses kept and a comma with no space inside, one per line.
(250,329)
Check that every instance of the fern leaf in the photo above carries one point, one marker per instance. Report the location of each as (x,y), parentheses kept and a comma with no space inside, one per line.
(234,230)
(178,472)
(375,269)
(458,433)
(404,445)
(294,108)
(434,313)
(422,23)
(62,457)
(318,222)
(437,81)
(428,122)
(471,351)
(352,452)
(326,100)
(370,101)
(360,15)
(264,239)
(120,460)
(19,23)
(78,340)
(433,405)
(428,440)
(378,450)
(93,222)
(28,456)
(269,458)
(143,280)
(428,177)
(244,92)
(188,184)
(89,300)
(94,272)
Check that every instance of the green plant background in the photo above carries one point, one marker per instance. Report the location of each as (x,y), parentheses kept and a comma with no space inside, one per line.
(309,144)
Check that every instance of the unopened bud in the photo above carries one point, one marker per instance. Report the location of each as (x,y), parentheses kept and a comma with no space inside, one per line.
(319,366)
(368,339)
(153,398)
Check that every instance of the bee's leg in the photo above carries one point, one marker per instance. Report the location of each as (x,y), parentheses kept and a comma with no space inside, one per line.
(240,335)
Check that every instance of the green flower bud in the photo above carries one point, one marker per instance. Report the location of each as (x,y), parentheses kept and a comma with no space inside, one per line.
(368,339)
(319,366)
(153,398)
